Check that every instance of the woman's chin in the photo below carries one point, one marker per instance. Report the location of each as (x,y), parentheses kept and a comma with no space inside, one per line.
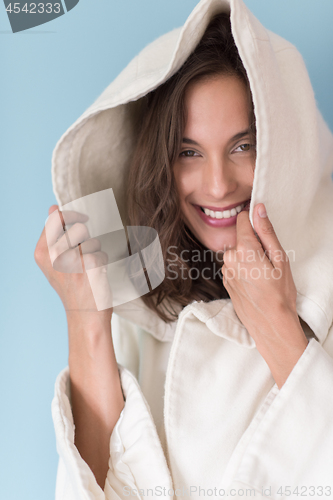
(220,244)
(215,239)
(222,240)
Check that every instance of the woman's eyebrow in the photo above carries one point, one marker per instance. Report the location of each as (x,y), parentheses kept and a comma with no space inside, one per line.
(240,135)
(187,140)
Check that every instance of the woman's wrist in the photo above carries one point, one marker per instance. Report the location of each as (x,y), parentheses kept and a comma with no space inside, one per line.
(87,331)
(282,344)
(89,320)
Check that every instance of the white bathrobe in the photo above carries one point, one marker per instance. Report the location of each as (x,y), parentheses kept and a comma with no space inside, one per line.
(203,416)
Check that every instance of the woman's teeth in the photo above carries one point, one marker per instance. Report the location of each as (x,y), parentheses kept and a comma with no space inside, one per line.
(226,214)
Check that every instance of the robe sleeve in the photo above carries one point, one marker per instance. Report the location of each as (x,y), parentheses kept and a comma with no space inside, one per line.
(136,461)
(289,446)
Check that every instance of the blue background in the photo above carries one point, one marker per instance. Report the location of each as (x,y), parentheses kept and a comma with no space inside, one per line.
(50,75)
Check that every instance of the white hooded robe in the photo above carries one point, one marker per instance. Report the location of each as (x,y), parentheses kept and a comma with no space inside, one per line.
(202,409)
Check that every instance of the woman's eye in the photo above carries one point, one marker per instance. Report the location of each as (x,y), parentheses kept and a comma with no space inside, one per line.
(244,148)
(188,153)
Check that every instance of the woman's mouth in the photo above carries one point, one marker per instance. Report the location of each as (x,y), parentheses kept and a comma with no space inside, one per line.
(221,218)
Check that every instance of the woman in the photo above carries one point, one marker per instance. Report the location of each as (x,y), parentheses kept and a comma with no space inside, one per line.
(243,362)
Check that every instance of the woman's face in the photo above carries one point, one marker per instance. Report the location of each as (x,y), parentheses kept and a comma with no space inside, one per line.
(215,166)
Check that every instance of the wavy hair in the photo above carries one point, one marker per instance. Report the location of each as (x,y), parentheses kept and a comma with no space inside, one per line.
(151,190)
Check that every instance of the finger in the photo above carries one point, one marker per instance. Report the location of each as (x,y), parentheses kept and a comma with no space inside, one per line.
(248,244)
(77,234)
(91,246)
(53,208)
(54,226)
(244,229)
(229,257)
(71,217)
(74,261)
(94,260)
(228,275)
(69,239)
(269,241)
(69,261)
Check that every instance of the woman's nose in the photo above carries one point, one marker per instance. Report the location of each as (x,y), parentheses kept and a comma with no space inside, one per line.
(219,178)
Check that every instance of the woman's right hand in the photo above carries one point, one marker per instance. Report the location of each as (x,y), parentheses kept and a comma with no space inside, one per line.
(96,392)
(58,256)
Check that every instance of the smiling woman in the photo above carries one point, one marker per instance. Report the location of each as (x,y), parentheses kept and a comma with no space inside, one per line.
(192,196)
(219,380)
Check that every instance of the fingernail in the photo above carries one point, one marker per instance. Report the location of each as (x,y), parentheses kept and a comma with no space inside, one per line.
(262,211)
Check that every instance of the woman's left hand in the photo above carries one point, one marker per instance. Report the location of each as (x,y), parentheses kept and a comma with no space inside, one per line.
(258,278)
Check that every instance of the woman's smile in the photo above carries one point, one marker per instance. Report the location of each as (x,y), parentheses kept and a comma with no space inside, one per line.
(221,217)
(215,167)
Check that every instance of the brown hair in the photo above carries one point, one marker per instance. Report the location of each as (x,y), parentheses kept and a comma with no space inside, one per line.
(152,196)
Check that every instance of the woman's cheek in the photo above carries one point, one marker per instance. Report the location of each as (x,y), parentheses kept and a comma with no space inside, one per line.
(186,181)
